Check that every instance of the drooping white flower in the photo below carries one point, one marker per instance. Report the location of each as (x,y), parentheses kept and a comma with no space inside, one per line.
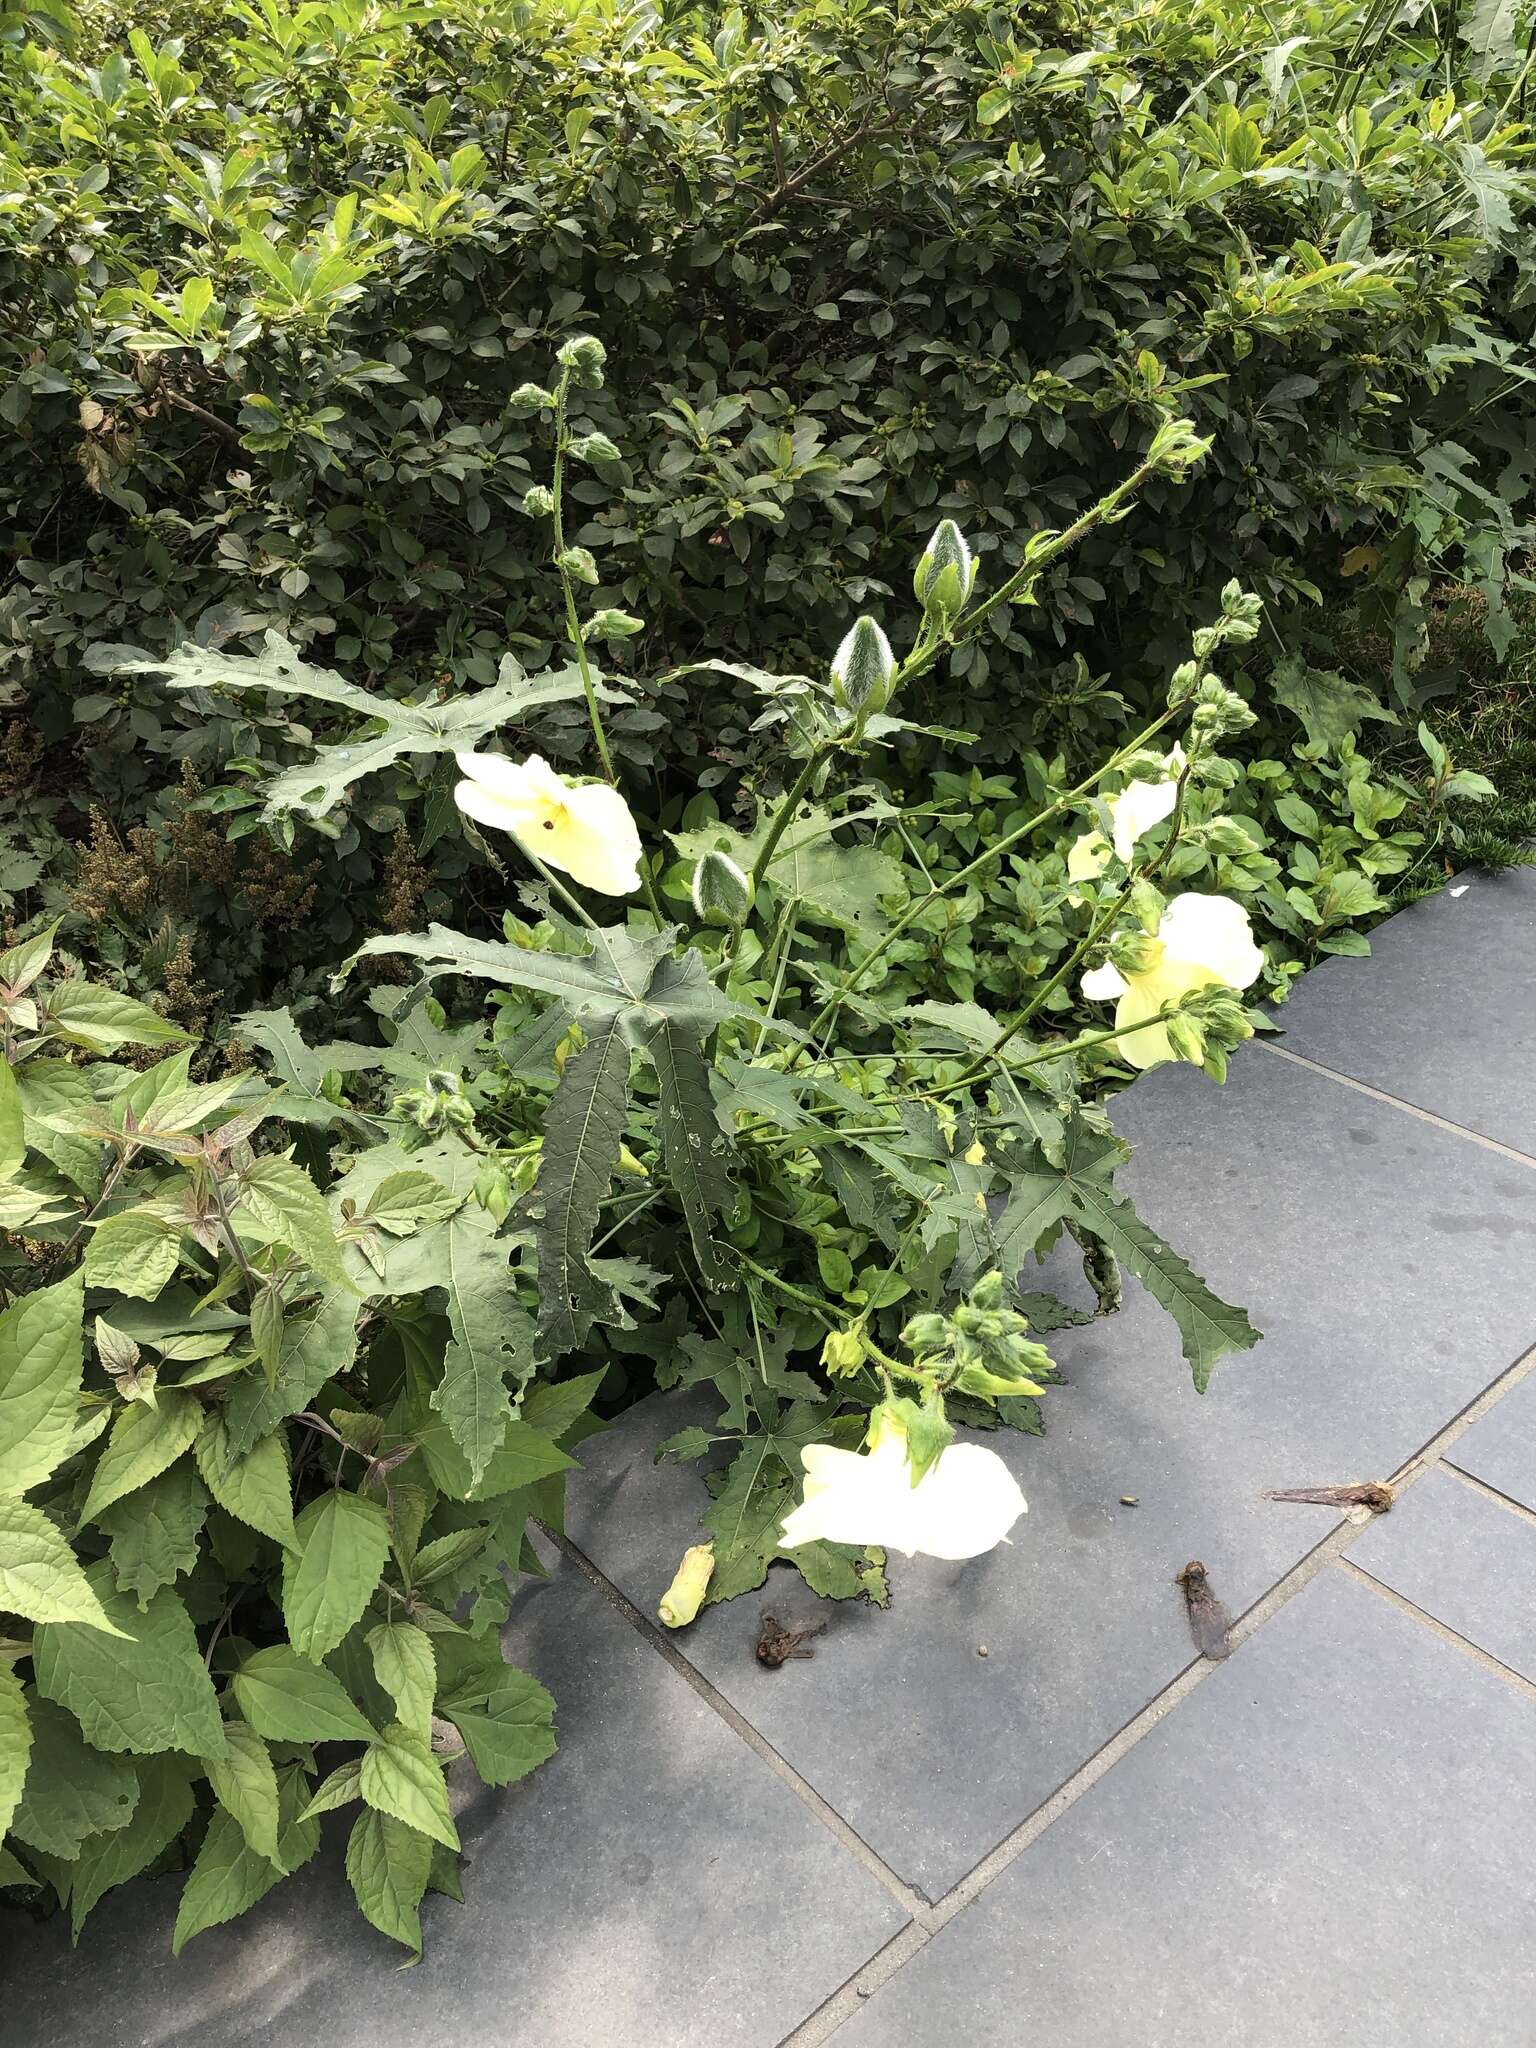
(1200,941)
(964,1504)
(582,828)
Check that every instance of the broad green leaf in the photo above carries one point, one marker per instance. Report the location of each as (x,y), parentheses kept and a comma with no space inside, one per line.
(401,1776)
(340,1789)
(388,1865)
(288,1699)
(843,886)
(13,1144)
(285,1202)
(155,1532)
(405,1199)
(405,1666)
(552,1406)
(163,1808)
(512,1733)
(57,1100)
(229,1876)
(134,1252)
(14,1872)
(41,1359)
(255,1488)
(525,1455)
(104,1021)
(245,1785)
(146,1690)
(492,1334)
(342,1542)
(1327,704)
(72,1791)
(317,1345)
(694,1145)
(143,1443)
(40,1576)
(15,1743)
(583,1132)
(744,1519)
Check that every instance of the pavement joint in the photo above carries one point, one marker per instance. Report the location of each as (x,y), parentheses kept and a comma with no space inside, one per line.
(1429,1621)
(1428,1116)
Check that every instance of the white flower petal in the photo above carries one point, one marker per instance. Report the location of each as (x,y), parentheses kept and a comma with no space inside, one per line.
(476,801)
(1103,984)
(596,842)
(527,782)
(1212,932)
(966,1504)
(1138,807)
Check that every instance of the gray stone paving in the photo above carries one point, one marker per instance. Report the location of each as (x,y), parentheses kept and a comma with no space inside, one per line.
(1089,1836)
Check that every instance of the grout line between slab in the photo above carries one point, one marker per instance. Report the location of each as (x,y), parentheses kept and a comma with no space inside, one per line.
(1428,1116)
(1429,1621)
(850,1996)
(1475,1485)
(911,1902)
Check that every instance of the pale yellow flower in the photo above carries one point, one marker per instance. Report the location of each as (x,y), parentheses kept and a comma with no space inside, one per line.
(964,1504)
(1138,807)
(1200,941)
(582,828)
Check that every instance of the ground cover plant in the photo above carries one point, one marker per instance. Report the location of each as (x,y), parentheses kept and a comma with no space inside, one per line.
(548,864)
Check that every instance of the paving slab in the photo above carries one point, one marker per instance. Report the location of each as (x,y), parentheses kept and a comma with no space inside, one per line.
(1329,1841)
(1373,1250)
(646,1886)
(1501,1448)
(1442,1013)
(1464,1558)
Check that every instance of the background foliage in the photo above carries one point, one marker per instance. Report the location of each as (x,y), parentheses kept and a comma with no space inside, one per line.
(275,272)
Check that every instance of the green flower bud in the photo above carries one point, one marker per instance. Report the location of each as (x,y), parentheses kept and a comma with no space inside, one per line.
(1187,1039)
(1147,906)
(1229,836)
(594,448)
(584,356)
(612,625)
(578,564)
(722,894)
(1134,952)
(975,1379)
(685,1596)
(945,573)
(538,501)
(528,399)
(493,1191)
(842,1353)
(862,669)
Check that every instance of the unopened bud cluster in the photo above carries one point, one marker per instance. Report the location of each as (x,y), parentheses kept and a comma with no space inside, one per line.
(428,1112)
(981,1347)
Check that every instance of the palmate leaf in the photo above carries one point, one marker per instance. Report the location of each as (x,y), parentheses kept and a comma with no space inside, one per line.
(315,787)
(693,1144)
(583,1133)
(842,886)
(492,1335)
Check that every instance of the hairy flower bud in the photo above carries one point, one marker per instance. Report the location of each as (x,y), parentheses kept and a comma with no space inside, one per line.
(612,625)
(538,501)
(584,356)
(578,564)
(528,399)
(842,1353)
(862,669)
(685,1596)
(722,894)
(594,448)
(945,572)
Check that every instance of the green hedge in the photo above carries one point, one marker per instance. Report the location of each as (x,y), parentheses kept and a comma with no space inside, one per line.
(856,267)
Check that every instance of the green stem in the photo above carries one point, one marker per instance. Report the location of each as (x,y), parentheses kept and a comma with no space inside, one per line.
(573,625)
(809,770)
(991,853)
